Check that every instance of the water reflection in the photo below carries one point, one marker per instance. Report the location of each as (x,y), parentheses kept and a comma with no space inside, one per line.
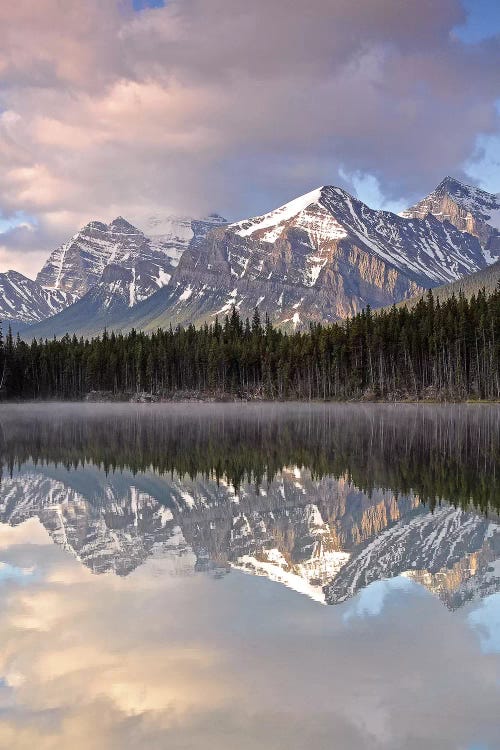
(323,500)
(141,626)
(440,453)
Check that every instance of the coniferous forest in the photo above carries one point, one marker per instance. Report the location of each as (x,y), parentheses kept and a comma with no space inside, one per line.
(445,351)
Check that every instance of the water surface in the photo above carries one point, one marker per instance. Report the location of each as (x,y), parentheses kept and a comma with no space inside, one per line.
(249,577)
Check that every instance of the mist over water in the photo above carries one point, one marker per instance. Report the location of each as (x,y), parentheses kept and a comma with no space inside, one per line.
(444,453)
(162,571)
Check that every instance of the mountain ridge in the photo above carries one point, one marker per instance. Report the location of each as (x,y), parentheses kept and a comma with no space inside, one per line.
(320,257)
(305,273)
(23,301)
(325,539)
(102,271)
(467,207)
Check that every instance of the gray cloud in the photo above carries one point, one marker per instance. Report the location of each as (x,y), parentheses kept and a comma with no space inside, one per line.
(231,106)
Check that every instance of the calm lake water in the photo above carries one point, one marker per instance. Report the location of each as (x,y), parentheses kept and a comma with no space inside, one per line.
(250,576)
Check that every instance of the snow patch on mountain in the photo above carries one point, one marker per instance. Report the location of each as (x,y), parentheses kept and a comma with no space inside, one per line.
(306,578)
(269,225)
(26,301)
(473,199)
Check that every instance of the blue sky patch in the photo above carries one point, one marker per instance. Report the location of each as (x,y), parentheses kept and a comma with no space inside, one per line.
(15,220)
(483,21)
(145,4)
(13,573)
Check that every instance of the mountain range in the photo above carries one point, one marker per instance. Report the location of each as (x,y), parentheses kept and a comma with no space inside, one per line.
(323,538)
(103,268)
(321,257)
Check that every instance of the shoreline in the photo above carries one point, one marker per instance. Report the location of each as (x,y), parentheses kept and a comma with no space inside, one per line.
(147,399)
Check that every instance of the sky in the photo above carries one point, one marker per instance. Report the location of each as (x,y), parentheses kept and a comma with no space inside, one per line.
(165,659)
(149,108)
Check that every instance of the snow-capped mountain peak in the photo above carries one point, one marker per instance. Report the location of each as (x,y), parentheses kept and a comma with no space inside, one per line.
(474,199)
(269,226)
(330,213)
(470,209)
(323,256)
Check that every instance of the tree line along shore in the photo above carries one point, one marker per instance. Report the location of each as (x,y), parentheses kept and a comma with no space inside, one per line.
(434,351)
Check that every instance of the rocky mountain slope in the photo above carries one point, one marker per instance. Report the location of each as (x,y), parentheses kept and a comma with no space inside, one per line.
(108,269)
(23,301)
(325,539)
(79,264)
(471,210)
(323,257)
(468,208)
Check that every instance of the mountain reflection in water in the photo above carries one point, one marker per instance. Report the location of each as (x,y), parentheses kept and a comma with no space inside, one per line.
(325,500)
(166,613)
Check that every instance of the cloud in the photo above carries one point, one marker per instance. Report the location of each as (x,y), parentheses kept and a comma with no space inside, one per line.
(486,619)
(166,661)
(367,188)
(233,106)
(484,165)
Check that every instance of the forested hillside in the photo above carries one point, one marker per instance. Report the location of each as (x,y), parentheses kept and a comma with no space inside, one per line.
(487,279)
(448,350)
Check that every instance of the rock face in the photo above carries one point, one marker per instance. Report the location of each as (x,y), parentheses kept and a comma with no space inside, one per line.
(25,301)
(323,257)
(468,208)
(112,268)
(434,549)
(79,265)
(117,264)
(323,538)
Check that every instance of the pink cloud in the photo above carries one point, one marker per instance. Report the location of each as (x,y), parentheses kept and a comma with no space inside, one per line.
(210,104)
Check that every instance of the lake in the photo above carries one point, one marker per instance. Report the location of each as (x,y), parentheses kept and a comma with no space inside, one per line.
(250,576)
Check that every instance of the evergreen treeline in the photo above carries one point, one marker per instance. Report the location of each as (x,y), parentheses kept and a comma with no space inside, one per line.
(448,350)
(442,454)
